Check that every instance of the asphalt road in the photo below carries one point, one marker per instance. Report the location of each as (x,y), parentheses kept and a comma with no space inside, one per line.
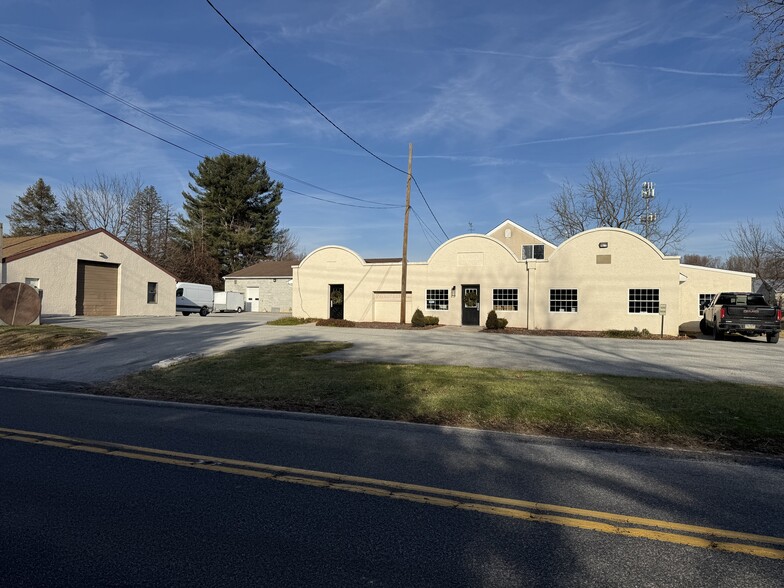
(136,343)
(87,518)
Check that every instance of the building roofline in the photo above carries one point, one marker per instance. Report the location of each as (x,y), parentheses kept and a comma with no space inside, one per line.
(77,237)
(716,269)
(523,229)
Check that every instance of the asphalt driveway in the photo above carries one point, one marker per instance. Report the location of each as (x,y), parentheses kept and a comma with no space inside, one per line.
(136,343)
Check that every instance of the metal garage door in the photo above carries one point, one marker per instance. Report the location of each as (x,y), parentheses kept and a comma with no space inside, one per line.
(96,288)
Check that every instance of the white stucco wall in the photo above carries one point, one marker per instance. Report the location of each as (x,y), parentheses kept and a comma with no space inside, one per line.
(56,270)
(602,283)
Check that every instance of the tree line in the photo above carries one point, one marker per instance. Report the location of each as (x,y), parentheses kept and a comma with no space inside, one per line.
(230,217)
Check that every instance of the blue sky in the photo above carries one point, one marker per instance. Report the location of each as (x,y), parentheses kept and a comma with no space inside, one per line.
(503,101)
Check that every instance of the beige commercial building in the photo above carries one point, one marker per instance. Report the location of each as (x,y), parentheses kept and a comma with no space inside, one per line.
(599,279)
(90,273)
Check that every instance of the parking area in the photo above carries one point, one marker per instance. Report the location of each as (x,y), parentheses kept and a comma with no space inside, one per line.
(136,343)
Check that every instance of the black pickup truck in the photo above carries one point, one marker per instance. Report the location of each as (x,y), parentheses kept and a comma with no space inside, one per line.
(745,313)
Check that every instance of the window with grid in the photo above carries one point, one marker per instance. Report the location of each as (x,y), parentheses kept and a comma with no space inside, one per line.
(437,299)
(152,292)
(644,300)
(504,298)
(705,299)
(533,251)
(563,300)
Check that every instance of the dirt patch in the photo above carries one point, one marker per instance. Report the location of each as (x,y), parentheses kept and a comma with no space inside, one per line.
(600,334)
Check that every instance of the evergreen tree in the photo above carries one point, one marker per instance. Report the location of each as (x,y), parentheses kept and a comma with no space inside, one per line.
(36,212)
(233,206)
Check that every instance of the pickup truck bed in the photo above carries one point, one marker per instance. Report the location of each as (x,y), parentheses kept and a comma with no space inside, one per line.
(745,313)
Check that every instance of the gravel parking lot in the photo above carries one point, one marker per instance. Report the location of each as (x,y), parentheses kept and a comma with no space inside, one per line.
(136,343)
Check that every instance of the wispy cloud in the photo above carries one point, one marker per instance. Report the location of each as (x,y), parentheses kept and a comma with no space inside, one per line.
(671,70)
(725,121)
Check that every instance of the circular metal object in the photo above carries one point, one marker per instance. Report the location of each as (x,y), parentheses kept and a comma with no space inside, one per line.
(20,304)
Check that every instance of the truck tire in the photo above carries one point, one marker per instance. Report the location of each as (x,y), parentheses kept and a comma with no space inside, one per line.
(704,327)
(239,309)
(772,337)
(718,335)
(204,311)
(186,313)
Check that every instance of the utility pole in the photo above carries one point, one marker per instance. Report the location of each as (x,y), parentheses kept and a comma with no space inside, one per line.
(648,193)
(404,267)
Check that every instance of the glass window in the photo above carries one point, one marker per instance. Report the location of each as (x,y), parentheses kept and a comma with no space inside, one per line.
(437,299)
(704,301)
(152,292)
(504,298)
(644,300)
(533,251)
(563,300)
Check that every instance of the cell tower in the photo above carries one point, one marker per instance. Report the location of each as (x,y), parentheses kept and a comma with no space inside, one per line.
(649,217)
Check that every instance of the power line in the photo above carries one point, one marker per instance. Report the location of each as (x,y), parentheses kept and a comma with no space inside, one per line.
(117,118)
(172,125)
(425,229)
(324,116)
(342,203)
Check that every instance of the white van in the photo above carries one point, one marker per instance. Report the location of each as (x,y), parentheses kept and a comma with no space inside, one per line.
(194,298)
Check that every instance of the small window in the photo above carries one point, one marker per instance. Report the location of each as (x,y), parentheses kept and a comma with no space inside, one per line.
(704,301)
(533,251)
(152,292)
(644,300)
(563,300)
(504,298)
(34,282)
(437,299)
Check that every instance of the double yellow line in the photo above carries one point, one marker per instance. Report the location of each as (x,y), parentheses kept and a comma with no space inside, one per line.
(604,522)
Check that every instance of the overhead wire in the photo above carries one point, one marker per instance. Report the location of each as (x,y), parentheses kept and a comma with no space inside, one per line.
(117,118)
(324,116)
(425,230)
(174,126)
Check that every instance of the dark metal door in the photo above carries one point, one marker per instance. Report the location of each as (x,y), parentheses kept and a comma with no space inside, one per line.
(471,304)
(336,301)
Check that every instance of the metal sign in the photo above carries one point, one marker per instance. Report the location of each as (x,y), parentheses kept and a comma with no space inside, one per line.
(662,309)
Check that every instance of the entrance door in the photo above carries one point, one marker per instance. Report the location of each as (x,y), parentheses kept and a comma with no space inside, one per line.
(471,304)
(336,301)
(252,298)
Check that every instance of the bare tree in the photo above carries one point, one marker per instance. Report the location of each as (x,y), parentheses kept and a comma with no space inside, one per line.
(701,260)
(286,247)
(100,203)
(759,251)
(149,223)
(765,66)
(611,196)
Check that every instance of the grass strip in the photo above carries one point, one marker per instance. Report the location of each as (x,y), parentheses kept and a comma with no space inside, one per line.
(32,339)
(692,414)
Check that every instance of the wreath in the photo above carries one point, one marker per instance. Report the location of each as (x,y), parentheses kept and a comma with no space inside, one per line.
(336,297)
(470,299)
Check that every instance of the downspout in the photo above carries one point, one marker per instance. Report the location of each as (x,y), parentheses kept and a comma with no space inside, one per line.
(3,271)
(530,309)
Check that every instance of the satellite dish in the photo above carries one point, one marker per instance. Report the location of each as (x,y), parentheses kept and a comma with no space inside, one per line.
(19,304)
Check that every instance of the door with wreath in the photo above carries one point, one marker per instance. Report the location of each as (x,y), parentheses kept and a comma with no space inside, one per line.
(336,301)
(471,304)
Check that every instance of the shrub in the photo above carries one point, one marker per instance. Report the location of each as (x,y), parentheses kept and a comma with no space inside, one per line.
(502,322)
(492,320)
(431,321)
(418,319)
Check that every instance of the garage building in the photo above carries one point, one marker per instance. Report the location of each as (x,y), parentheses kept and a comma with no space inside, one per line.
(90,273)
